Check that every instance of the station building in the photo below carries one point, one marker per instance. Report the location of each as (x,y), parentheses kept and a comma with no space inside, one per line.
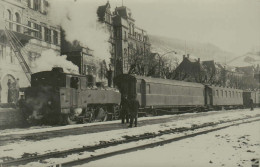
(28,22)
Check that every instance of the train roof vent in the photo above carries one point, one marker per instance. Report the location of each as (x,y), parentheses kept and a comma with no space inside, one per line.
(57,69)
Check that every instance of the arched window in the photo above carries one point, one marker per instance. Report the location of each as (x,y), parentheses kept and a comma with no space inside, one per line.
(18,20)
(10,19)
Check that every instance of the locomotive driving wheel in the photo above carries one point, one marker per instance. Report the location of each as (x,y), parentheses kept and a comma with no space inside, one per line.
(116,112)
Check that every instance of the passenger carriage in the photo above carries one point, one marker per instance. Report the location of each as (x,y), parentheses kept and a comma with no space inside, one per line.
(223,97)
(161,94)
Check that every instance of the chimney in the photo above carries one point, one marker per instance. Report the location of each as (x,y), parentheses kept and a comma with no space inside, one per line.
(188,55)
(198,59)
(183,57)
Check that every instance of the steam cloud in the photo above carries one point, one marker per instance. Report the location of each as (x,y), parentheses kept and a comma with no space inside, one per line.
(50,59)
(80,22)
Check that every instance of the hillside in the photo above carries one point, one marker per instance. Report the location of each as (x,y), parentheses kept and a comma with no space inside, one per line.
(204,51)
(248,59)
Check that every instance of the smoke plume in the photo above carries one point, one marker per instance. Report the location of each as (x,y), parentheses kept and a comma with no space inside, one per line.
(80,22)
(50,59)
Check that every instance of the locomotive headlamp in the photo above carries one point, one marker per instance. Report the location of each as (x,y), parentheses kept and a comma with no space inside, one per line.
(49,102)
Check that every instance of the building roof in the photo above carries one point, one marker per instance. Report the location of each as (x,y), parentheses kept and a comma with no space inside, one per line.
(245,70)
(102,10)
(190,65)
(124,12)
(209,64)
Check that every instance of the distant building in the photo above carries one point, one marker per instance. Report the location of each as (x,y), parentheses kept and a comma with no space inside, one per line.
(248,70)
(28,21)
(84,59)
(190,70)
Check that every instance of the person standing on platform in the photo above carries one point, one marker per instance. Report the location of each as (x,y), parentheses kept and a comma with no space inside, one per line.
(134,107)
(251,104)
(124,109)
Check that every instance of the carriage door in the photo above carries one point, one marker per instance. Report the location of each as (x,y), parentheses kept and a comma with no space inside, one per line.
(208,96)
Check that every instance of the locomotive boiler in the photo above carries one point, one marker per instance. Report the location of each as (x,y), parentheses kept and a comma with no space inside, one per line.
(56,97)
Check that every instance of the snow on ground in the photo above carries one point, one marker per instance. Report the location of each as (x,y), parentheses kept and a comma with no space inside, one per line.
(38,129)
(16,150)
(234,146)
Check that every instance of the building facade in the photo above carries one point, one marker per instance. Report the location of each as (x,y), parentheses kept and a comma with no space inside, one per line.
(28,21)
(127,40)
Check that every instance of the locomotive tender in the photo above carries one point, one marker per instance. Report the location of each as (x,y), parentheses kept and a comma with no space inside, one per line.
(56,97)
(163,95)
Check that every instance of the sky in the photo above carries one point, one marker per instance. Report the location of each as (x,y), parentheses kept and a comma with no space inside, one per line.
(232,25)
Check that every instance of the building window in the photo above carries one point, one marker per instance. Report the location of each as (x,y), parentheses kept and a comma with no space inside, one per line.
(29,30)
(130,27)
(37,5)
(29,3)
(47,35)
(12,57)
(148,89)
(55,37)
(1,51)
(18,20)
(85,68)
(38,34)
(125,36)
(10,19)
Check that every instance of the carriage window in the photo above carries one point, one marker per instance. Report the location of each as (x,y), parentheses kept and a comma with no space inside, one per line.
(226,93)
(229,93)
(216,92)
(138,88)
(222,93)
(233,93)
(74,82)
(148,88)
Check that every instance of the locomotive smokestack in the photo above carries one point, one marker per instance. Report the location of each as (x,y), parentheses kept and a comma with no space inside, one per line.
(183,57)
(57,69)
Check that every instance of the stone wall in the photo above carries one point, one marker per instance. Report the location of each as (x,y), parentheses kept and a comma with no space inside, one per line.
(10,118)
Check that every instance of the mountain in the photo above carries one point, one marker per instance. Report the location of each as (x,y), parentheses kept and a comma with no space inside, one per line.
(248,59)
(204,51)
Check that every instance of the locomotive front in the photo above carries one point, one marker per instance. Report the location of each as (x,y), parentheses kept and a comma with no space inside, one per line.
(42,100)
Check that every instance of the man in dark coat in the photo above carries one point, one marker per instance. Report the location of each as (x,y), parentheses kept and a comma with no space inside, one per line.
(134,107)
(124,109)
(251,104)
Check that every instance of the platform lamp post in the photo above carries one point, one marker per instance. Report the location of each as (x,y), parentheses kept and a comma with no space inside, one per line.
(160,60)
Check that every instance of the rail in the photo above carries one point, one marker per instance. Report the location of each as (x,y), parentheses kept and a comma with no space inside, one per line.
(128,139)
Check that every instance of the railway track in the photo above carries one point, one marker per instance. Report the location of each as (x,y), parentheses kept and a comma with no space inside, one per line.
(128,139)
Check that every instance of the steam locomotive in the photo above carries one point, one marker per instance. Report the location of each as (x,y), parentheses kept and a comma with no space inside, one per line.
(56,97)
